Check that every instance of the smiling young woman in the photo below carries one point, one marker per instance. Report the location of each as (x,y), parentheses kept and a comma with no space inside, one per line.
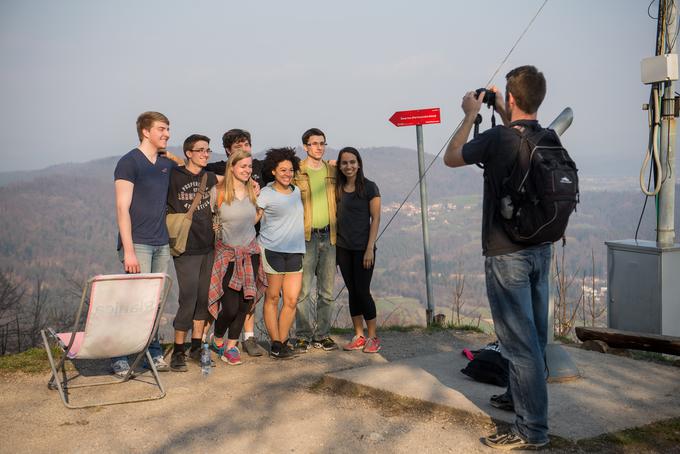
(282,237)
(358,200)
(237,275)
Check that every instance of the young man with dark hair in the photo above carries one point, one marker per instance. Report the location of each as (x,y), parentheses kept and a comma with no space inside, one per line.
(233,140)
(194,266)
(516,275)
(141,185)
(316,180)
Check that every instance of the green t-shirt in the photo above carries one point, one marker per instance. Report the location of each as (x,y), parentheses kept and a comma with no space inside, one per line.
(317,184)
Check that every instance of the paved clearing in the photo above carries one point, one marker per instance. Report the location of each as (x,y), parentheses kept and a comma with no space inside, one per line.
(261,406)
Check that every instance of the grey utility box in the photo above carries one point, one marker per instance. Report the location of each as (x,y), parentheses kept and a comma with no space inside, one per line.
(643,280)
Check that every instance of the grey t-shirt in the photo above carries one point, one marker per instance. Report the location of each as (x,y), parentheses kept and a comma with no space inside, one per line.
(238,222)
(282,228)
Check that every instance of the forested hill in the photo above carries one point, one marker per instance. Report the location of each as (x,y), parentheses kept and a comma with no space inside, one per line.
(59,223)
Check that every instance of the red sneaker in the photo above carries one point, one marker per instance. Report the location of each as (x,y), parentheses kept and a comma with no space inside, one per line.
(372,345)
(357,343)
(232,356)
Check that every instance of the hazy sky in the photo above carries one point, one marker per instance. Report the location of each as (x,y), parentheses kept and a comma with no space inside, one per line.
(75,74)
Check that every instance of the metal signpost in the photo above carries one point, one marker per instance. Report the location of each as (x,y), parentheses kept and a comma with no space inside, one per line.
(418,118)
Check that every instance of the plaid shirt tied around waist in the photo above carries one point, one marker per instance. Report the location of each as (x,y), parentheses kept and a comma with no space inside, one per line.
(243,277)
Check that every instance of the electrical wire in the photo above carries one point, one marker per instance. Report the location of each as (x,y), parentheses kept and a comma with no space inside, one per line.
(648,9)
(653,148)
(500,65)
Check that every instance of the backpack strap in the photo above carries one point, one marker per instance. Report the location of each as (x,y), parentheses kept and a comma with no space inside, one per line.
(198,196)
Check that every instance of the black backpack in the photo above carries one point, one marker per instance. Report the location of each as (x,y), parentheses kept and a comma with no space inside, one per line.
(541,192)
(488,366)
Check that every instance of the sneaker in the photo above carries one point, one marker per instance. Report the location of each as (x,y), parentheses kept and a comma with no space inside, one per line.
(281,351)
(502,402)
(232,356)
(372,345)
(357,343)
(213,346)
(120,368)
(327,344)
(251,347)
(178,362)
(301,346)
(195,356)
(286,352)
(161,365)
(510,441)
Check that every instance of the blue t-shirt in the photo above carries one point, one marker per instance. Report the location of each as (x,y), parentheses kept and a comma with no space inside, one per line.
(149,196)
(282,228)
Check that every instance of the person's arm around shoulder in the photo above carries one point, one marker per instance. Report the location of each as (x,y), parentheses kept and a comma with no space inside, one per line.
(453,156)
(176,159)
(124,190)
(374,210)
(261,204)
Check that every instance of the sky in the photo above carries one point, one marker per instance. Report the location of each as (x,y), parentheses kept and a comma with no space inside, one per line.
(76,74)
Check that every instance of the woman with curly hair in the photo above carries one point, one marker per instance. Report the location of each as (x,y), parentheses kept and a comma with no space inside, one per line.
(358,201)
(282,239)
(238,278)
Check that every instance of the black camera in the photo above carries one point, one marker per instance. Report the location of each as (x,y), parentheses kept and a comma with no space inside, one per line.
(489,96)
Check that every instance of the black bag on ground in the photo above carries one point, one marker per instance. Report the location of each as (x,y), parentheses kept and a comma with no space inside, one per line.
(541,192)
(488,366)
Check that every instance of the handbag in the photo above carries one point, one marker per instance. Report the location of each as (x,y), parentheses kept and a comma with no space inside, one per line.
(179,224)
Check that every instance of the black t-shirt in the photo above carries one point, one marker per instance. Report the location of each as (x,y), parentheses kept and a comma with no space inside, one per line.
(184,186)
(220,166)
(354,217)
(496,149)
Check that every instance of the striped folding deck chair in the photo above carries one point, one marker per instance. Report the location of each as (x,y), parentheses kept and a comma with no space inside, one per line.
(121,319)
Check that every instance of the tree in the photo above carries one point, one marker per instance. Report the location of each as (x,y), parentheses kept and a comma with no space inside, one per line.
(458,301)
(11,294)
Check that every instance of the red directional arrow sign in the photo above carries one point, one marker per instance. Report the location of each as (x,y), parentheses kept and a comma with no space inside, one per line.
(416,117)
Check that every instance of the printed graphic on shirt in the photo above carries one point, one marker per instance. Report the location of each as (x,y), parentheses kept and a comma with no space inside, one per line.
(188,192)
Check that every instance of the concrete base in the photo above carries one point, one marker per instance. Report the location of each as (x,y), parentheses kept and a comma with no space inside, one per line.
(614,393)
(560,365)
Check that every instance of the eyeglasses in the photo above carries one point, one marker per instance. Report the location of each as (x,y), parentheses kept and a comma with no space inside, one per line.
(202,150)
(316,144)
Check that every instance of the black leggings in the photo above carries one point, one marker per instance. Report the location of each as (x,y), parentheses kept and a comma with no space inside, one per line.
(358,282)
(234,306)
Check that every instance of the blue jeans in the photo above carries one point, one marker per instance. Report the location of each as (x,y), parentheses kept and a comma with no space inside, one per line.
(152,259)
(319,261)
(518,289)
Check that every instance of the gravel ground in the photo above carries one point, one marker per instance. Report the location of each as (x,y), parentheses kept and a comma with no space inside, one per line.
(262,406)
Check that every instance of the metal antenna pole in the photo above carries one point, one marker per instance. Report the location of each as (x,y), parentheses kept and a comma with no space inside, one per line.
(665,232)
(560,365)
(429,314)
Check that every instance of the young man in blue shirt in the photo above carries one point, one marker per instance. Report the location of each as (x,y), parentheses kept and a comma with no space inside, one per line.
(141,183)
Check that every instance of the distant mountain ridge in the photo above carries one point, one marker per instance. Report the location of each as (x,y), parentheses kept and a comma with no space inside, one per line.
(394,169)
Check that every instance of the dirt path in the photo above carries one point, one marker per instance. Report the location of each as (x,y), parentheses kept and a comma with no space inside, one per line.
(260,406)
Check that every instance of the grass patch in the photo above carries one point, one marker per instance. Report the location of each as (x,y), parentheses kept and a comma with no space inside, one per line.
(662,436)
(564,339)
(467,327)
(31,361)
(655,357)
(412,328)
(342,330)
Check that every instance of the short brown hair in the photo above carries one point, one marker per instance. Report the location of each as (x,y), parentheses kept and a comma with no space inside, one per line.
(527,85)
(190,141)
(146,119)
